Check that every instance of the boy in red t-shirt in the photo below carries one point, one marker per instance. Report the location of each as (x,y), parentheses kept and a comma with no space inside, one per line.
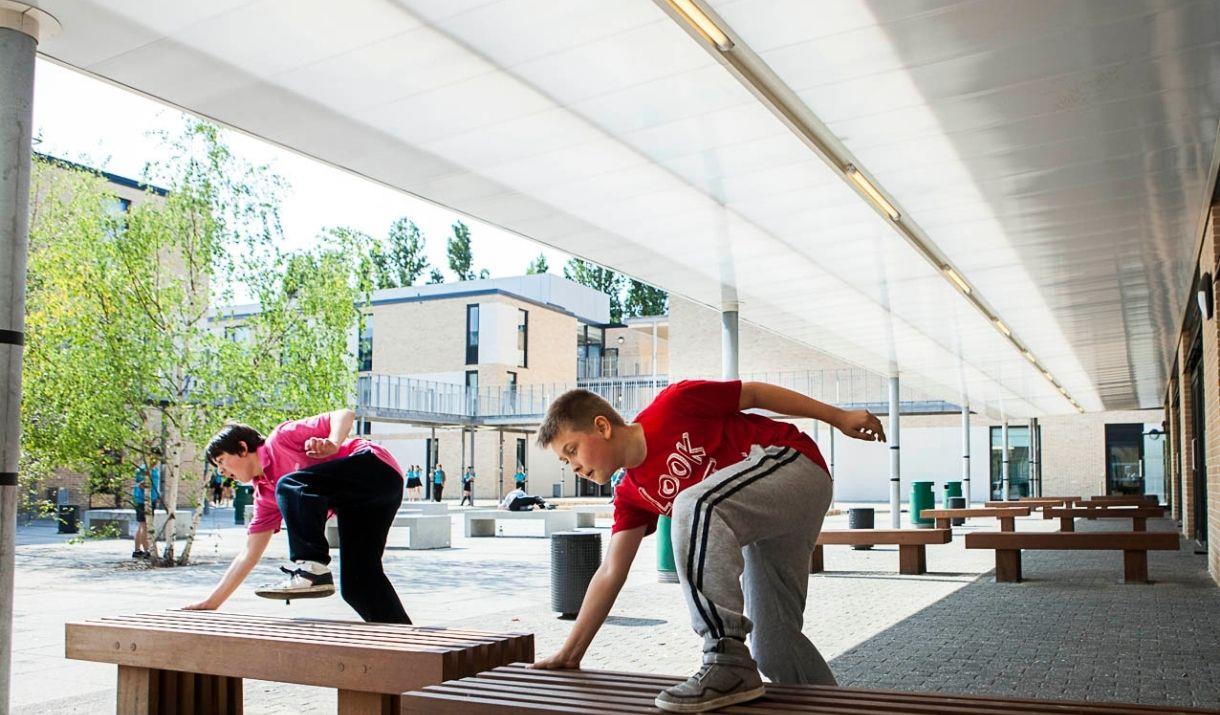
(747,495)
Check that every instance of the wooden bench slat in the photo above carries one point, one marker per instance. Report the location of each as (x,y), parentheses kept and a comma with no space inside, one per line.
(975,512)
(389,634)
(841,537)
(349,656)
(1093,540)
(524,675)
(517,690)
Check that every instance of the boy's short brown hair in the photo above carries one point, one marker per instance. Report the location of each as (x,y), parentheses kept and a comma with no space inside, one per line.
(575,409)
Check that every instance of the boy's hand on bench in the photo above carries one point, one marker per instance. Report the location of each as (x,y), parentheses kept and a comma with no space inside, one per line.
(205,605)
(861,424)
(559,661)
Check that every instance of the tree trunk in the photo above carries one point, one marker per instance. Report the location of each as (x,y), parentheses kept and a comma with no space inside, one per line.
(185,558)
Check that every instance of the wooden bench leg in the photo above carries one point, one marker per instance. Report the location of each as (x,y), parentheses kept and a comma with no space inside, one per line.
(1008,523)
(816,564)
(1007,565)
(1139,523)
(912,559)
(942,523)
(1067,523)
(137,691)
(1135,567)
(355,702)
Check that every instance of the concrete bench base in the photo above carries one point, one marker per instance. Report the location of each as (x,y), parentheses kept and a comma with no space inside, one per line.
(425,531)
(125,520)
(586,516)
(483,523)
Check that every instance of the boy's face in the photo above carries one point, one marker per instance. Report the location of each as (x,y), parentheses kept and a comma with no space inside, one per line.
(243,467)
(591,455)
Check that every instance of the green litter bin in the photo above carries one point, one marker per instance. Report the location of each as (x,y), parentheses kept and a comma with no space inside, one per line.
(243,496)
(951,489)
(922,498)
(666,571)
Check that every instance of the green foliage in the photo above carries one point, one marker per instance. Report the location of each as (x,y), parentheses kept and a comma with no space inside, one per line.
(536,266)
(436,277)
(643,300)
(123,351)
(598,278)
(108,530)
(460,257)
(403,261)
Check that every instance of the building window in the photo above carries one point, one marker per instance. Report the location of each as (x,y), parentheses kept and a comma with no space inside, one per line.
(472,334)
(237,333)
(472,392)
(590,343)
(1018,462)
(523,338)
(365,358)
(521,452)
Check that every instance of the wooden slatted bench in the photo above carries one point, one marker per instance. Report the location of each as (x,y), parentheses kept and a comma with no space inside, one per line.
(1134,545)
(193,662)
(1099,503)
(516,690)
(912,545)
(1139,516)
(1066,500)
(1006,515)
(1032,503)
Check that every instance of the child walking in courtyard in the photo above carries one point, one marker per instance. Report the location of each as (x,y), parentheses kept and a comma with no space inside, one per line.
(302,471)
(747,495)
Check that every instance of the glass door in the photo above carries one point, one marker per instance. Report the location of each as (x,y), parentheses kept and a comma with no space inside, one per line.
(1018,462)
(1125,459)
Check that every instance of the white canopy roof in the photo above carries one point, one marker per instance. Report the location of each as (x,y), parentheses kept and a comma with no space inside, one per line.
(1059,156)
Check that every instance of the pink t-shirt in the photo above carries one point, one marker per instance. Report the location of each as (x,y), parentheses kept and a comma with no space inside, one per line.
(284,452)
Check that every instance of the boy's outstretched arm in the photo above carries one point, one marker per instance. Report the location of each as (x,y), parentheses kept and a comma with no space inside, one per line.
(241,567)
(599,598)
(860,424)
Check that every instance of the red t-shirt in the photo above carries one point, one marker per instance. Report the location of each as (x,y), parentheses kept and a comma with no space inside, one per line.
(694,428)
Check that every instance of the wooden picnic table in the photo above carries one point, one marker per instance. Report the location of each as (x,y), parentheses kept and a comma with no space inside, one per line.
(194,662)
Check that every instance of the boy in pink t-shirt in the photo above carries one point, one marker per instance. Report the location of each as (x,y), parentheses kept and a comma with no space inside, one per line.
(747,495)
(303,471)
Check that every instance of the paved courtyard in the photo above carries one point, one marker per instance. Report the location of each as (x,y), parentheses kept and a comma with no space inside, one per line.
(1072,630)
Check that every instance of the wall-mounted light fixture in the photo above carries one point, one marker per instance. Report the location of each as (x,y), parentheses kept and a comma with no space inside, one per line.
(1205,297)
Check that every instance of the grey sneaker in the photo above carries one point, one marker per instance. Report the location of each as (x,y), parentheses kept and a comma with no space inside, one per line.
(728,676)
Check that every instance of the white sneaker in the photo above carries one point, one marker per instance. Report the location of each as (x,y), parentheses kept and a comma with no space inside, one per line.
(306,579)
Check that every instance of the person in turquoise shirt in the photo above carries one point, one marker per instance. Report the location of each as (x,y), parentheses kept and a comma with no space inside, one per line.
(468,486)
(438,482)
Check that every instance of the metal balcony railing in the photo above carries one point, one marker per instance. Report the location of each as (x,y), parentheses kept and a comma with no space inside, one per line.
(401,398)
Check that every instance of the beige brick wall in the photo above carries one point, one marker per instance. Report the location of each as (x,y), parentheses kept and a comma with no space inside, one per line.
(695,351)
(429,336)
(1074,449)
(1211,398)
(635,352)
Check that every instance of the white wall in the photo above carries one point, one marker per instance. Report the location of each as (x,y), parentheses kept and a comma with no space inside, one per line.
(862,469)
(497,333)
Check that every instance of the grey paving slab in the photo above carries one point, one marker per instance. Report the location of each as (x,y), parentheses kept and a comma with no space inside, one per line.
(1071,631)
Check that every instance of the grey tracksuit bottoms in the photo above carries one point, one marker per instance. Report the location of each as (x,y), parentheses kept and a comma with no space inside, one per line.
(742,540)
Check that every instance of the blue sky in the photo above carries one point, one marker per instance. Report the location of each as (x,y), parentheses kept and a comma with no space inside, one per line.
(113,134)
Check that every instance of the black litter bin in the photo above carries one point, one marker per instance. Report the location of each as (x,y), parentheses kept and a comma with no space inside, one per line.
(860,519)
(575,557)
(957,503)
(69,518)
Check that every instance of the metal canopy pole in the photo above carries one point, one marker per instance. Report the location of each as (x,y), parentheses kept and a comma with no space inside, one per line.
(1004,494)
(728,342)
(1035,470)
(20,28)
(895,459)
(966,450)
